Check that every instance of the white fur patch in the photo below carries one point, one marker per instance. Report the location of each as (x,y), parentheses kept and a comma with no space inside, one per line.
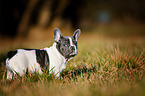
(21,62)
(71,44)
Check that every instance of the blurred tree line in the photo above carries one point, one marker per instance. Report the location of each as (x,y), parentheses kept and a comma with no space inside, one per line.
(16,16)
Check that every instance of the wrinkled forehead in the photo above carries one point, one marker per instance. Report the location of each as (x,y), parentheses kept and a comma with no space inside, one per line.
(68,40)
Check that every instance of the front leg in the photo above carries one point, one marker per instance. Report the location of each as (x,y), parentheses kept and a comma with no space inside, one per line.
(9,74)
(57,75)
(55,71)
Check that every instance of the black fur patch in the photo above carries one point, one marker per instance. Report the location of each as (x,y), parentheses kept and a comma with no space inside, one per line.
(42,58)
(11,54)
(63,46)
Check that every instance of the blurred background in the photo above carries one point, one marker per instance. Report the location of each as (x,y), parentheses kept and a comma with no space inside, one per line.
(35,20)
(18,17)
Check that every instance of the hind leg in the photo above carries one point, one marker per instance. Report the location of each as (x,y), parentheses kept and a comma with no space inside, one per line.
(9,74)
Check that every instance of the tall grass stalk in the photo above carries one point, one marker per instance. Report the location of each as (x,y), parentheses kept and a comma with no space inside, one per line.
(104,67)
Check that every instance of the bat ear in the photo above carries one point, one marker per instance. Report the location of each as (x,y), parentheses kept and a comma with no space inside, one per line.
(57,35)
(77,34)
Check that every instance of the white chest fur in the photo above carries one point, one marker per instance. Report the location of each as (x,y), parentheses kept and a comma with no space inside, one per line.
(57,62)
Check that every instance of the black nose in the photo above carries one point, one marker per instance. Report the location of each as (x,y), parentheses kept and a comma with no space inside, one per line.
(72,48)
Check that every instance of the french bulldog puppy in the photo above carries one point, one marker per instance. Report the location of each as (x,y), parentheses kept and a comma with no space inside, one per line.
(53,59)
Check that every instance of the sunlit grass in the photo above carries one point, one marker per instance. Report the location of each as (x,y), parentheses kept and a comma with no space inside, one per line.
(103,67)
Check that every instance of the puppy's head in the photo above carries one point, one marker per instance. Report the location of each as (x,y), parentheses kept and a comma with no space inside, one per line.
(66,45)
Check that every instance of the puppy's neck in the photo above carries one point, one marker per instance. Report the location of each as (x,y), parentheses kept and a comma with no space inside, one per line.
(56,51)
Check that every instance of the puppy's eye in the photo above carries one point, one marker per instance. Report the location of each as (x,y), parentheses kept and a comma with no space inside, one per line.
(65,45)
(74,42)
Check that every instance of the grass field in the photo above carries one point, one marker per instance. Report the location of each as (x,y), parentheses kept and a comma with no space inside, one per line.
(104,66)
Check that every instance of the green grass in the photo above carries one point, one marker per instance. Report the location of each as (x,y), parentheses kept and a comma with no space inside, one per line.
(103,67)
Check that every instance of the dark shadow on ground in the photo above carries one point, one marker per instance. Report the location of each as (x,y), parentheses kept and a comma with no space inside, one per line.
(75,72)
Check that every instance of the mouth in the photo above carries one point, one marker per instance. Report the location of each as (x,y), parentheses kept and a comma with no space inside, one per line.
(71,55)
